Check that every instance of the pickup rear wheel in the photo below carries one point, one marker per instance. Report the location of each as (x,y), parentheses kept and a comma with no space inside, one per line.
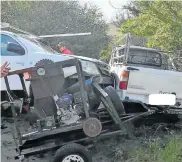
(115,99)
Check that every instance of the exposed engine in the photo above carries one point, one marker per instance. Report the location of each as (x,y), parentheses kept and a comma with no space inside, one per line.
(69,110)
(66,109)
(56,94)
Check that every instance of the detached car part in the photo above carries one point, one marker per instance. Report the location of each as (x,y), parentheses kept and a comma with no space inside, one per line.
(65,118)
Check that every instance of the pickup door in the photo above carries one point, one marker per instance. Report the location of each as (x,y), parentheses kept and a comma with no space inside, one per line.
(145,81)
(17,60)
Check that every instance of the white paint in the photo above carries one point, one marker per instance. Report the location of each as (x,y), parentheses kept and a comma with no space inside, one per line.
(162,99)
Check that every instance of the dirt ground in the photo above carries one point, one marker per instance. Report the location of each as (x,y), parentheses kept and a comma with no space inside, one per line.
(8,145)
(105,151)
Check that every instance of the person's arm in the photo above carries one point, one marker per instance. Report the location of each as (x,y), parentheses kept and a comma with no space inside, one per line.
(4,69)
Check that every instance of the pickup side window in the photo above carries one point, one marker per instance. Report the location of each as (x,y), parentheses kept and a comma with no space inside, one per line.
(5,40)
(177,63)
(144,57)
(138,56)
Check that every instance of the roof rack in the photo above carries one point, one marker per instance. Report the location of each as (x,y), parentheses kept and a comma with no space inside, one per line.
(7,25)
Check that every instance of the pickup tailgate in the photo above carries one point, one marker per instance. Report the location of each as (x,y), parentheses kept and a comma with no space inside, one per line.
(145,81)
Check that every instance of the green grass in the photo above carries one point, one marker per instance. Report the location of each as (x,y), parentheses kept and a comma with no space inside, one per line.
(158,152)
(165,148)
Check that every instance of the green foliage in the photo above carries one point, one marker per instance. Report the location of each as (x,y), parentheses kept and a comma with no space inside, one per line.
(172,151)
(132,8)
(160,21)
(106,52)
(155,151)
(57,17)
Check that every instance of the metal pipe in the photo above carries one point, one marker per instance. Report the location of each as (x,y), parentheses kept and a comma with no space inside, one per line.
(64,35)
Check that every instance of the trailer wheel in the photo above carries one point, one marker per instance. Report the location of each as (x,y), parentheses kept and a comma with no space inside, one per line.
(115,99)
(72,153)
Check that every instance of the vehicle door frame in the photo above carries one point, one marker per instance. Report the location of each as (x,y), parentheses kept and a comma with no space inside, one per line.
(15,58)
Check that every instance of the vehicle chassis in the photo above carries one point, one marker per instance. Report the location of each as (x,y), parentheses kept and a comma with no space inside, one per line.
(45,141)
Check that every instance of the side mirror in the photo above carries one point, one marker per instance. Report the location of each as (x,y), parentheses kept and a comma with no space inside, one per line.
(16,48)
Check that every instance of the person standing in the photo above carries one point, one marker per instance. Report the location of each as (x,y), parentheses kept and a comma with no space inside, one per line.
(63,49)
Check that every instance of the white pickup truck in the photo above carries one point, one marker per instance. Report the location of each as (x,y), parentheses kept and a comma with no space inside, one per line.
(143,71)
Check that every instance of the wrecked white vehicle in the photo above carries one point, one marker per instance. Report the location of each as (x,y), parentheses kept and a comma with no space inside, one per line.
(66,119)
(67,92)
(23,51)
(143,71)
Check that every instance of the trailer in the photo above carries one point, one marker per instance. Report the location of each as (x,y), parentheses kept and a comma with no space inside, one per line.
(66,122)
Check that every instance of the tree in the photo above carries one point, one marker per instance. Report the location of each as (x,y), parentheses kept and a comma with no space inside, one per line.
(123,14)
(159,21)
(56,17)
(132,9)
(120,17)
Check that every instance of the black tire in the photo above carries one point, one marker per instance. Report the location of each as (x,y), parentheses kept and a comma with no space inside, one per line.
(31,96)
(115,99)
(94,102)
(72,149)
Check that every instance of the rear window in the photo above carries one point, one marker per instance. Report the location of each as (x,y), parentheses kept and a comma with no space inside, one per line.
(177,63)
(144,57)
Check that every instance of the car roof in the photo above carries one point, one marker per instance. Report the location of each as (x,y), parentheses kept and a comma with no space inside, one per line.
(16,34)
(7,32)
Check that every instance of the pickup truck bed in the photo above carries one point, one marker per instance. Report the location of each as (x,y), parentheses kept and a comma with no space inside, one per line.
(143,71)
(145,81)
